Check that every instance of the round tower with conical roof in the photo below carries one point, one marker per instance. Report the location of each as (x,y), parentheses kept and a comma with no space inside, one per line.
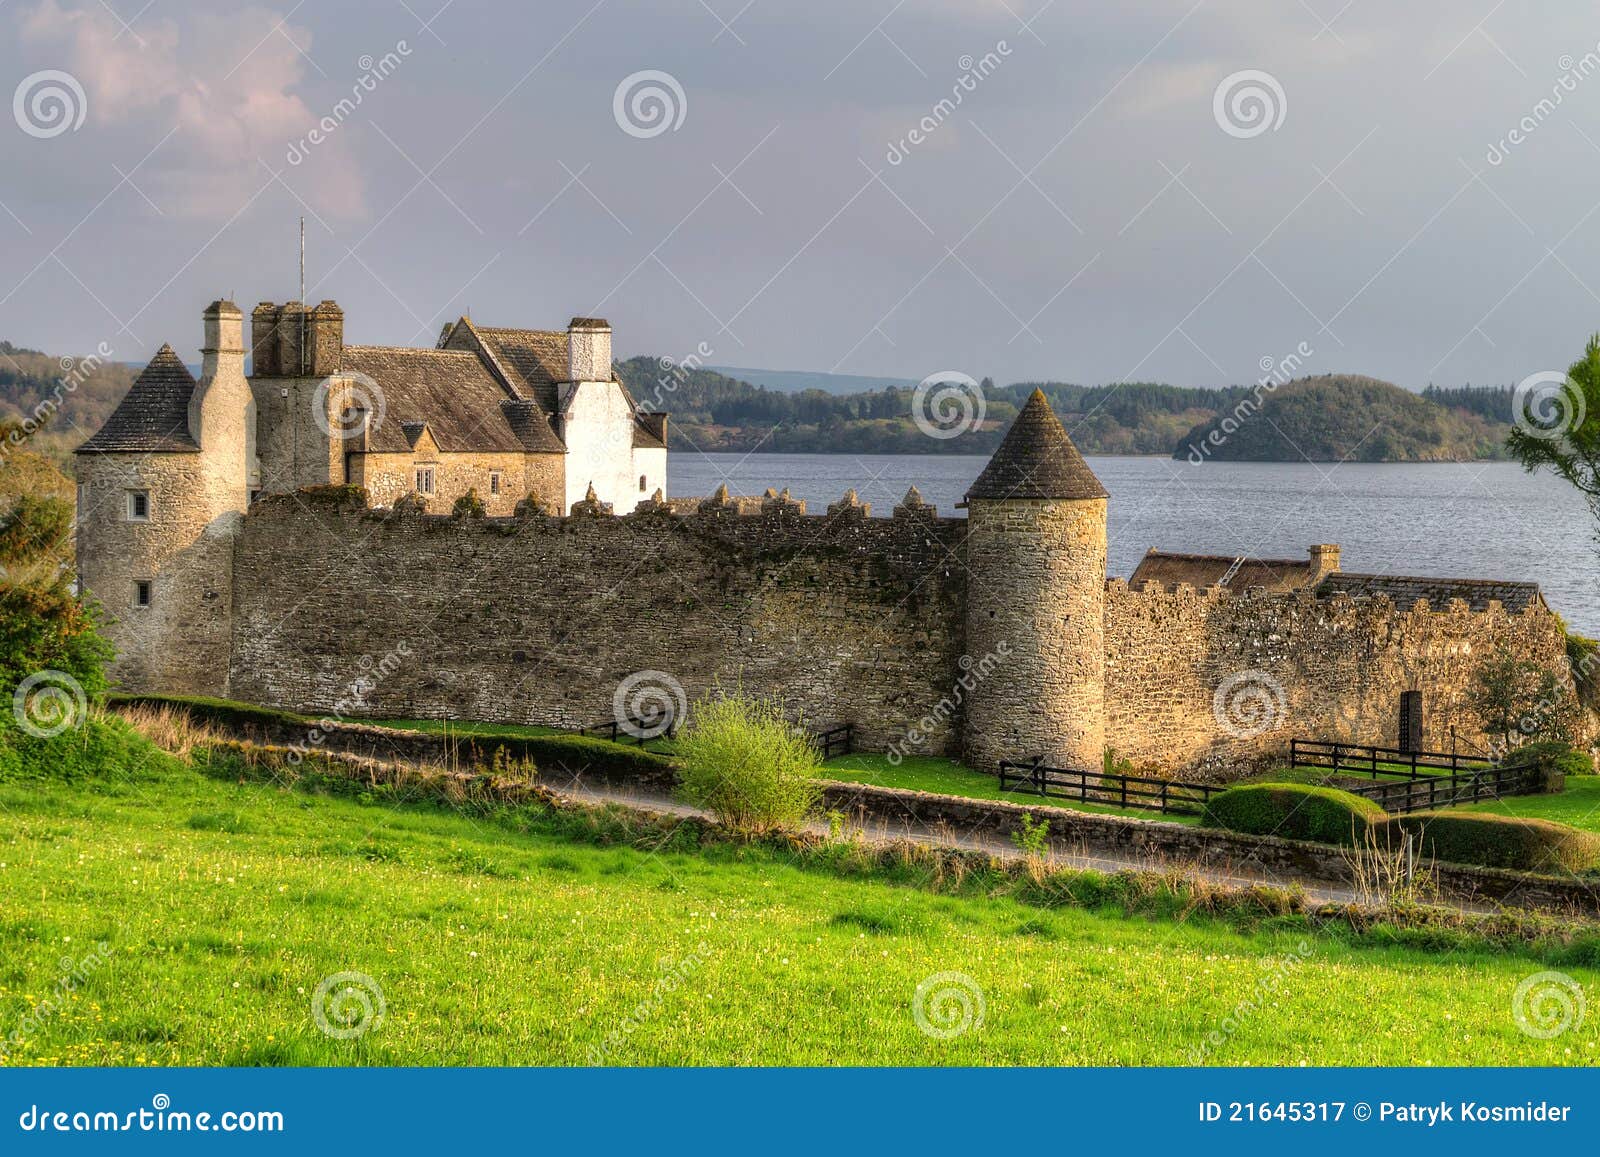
(162,490)
(1036,561)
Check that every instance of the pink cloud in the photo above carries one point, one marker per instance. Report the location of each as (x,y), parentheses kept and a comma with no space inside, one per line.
(221,83)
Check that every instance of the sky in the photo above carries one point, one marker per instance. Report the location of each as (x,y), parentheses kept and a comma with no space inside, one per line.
(1188,191)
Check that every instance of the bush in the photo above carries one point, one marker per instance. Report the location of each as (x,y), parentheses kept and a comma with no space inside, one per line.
(1294,811)
(1553,760)
(741,759)
(1494,841)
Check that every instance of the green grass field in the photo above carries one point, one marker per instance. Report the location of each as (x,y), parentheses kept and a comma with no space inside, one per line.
(225,903)
(1579,805)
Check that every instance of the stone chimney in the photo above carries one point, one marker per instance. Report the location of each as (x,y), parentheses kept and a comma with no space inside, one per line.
(292,326)
(589,350)
(324,340)
(223,351)
(1324,562)
(264,340)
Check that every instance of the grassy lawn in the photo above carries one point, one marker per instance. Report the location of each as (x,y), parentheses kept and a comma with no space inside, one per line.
(1579,805)
(224,904)
(947,777)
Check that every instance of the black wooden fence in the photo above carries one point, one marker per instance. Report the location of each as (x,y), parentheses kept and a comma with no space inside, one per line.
(1173,797)
(1362,759)
(1427,792)
(834,741)
(635,730)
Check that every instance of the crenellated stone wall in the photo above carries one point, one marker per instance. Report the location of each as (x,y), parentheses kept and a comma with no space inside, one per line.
(1216,680)
(539,619)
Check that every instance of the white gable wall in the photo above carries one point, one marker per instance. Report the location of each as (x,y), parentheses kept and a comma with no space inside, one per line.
(599,434)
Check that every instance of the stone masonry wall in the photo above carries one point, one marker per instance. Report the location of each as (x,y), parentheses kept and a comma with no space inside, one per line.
(538,620)
(1204,680)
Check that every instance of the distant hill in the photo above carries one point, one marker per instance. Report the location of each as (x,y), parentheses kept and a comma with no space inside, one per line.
(1343,417)
(797,381)
(67,397)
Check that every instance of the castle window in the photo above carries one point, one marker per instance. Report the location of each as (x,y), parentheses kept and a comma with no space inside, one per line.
(424,479)
(642,483)
(495,478)
(141,593)
(138,506)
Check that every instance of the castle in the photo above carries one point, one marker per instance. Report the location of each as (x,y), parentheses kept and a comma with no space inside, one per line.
(263,539)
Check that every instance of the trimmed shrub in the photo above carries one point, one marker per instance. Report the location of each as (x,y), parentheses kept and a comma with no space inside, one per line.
(742,760)
(1294,811)
(1495,841)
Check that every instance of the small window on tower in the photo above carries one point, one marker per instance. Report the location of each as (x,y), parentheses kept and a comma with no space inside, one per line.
(495,478)
(424,479)
(138,506)
(141,593)
(642,481)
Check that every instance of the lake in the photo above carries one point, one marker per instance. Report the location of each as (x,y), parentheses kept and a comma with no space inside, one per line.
(1455,520)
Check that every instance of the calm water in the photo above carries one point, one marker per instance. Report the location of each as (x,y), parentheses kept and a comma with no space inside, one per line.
(1473,520)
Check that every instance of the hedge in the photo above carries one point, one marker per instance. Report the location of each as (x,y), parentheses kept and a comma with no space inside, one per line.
(1294,811)
(1496,841)
(225,712)
(575,754)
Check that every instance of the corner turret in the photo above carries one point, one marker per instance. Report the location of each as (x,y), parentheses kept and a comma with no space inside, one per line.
(1036,556)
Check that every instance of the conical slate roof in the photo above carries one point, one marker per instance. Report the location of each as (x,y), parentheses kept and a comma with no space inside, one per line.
(153,415)
(1037,460)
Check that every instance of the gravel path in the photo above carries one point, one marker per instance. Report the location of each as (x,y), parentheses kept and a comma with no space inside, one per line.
(1321,891)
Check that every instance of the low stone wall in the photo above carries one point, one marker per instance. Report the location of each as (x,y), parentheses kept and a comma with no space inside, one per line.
(1162,842)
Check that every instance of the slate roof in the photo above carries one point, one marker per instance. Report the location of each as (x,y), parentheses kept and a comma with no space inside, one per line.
(535,359)
(1407,589)
(153,415)
(1209,570)
(454,393)
(1037,460)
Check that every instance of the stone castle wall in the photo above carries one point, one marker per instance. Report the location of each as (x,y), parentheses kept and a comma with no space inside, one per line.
(843,617)
(1214,680)
(538,620)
